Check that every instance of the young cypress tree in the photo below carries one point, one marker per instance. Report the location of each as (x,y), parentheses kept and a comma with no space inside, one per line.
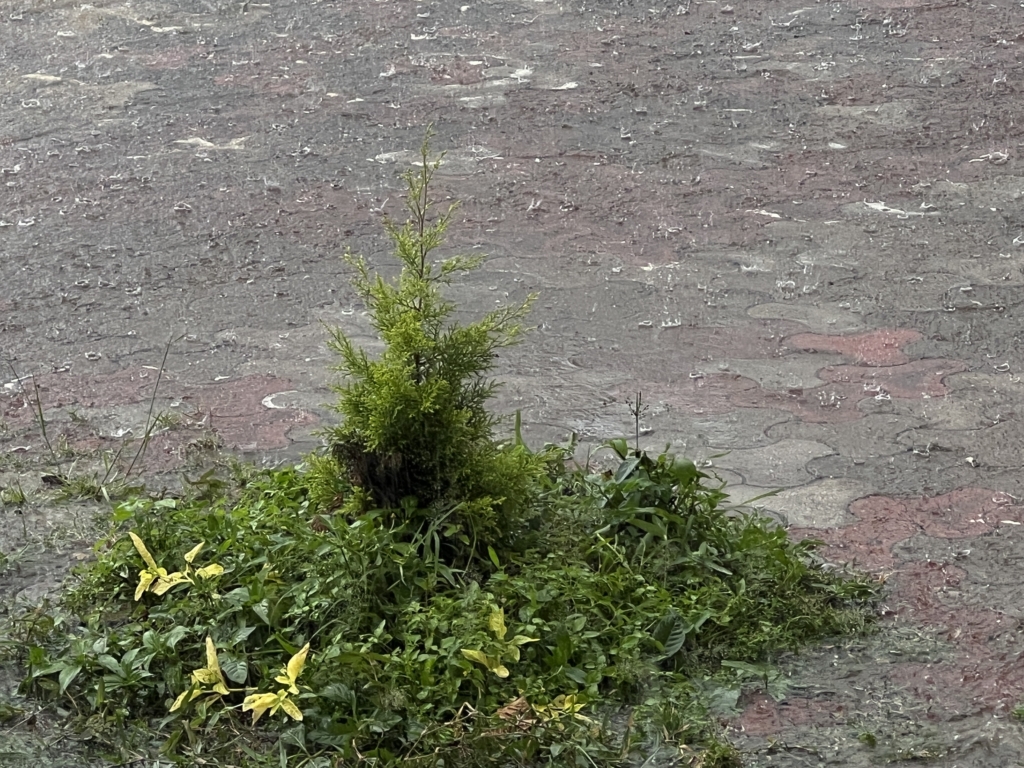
(415,423)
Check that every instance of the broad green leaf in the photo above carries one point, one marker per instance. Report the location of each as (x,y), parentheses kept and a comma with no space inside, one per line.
(648,526)
(175,636)
(236,670)
(67,676)
(676,637)
(619,446)
(685,472)
(478,656)
(110,663)
(626,468)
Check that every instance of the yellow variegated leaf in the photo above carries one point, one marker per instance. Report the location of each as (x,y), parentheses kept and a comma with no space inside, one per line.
(497,623)
(212,663)
(209,571)
(296,663)
(291,709)
(513,653)
(259,703)
(165,581)
(291,672)
(493,664)
(191,554)
(161,587)
(141,548)
(478,656)
(184,698)
(206,676)
(145,579)
(523,640)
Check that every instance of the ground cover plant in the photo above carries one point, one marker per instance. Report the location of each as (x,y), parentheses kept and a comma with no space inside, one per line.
(422,593)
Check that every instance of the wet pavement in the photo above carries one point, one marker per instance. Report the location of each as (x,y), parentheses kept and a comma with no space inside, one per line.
(795,227)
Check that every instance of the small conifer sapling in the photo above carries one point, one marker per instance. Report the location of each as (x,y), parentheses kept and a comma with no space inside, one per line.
(416,436)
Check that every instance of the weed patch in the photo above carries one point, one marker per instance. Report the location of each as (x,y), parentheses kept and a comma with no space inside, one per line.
(421,593)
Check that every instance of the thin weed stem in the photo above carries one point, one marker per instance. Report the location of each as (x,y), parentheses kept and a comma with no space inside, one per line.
(150,421)
(40,417)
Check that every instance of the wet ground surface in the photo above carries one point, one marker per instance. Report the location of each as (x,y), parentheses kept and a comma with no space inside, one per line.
(795,227)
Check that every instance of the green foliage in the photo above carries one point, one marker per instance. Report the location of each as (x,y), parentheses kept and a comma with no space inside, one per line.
(409,657)
(415,423)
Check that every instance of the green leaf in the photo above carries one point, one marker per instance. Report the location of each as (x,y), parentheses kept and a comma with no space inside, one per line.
(494,556)
(175,636)
(619,446)
(577,675)
(262,611)
(626,468)
(685,472)
(648,526)
(235,669)
(676,638)
(67,676)
(110,663)
(239,636)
